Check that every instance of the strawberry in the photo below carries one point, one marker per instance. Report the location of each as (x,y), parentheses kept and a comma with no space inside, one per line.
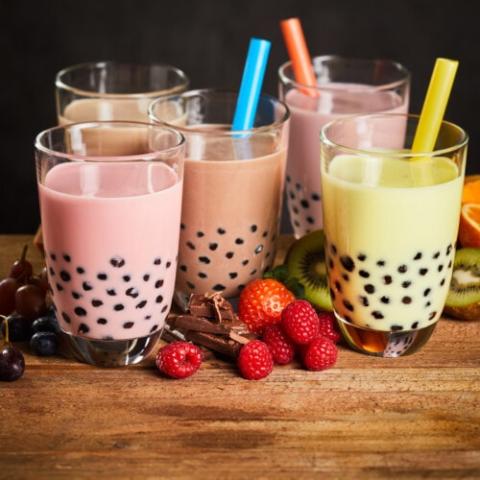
(319,354)
(255,360)
(281,348)
(328,326)
(261,303)
(300,322)
(179,359)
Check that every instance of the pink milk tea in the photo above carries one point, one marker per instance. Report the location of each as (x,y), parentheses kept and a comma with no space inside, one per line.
(111,232)
(308,116)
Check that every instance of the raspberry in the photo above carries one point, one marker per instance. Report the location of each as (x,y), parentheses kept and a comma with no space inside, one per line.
(328,327)
(280,346)
(255,360)
(300,322)
(320,354)
(179,359)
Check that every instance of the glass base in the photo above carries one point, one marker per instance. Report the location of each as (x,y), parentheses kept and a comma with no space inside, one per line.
(384,344)
(108,353)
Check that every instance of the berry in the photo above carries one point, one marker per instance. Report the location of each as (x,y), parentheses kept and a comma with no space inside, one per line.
(300,322)
(255,360)
(19,328)
(44,343)
(280,346)
(45,324)
(261,303)
(12,363)
(179,359)
(30,301)
(320,354)
(328,326)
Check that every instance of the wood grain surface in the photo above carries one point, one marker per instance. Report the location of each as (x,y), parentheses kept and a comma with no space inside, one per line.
(372,418)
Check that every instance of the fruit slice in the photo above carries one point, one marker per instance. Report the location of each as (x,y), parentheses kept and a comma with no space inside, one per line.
(469,232)
(471,192)
(306,262)
(463,299)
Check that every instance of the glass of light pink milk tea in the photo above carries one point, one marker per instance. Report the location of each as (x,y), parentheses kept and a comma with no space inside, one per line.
(232,190)
(111,225)
(344,87)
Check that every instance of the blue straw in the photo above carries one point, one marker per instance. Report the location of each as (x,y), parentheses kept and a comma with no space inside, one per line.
(251,85)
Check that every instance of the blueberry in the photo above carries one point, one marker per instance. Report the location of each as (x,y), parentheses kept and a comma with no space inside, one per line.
(44,343)
(19,328)
(45,324)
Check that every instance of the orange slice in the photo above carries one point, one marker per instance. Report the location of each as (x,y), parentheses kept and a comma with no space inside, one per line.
(471,192)
(469,233)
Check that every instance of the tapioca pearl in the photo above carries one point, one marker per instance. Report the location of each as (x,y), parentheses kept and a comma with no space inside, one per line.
(333,248)
(402,269)
(53,257)
(131,292)
(202,275)
(385,300)
(65,276)
(245,262)
(347,263)
(102,321)
(221,231)
(128,325)
(364,273)
(396,328)
(258,249)
(440,268)
(377,315)
(111,292)
(406,284)
(265,234)
(159,299)
(159,283)
(154,328)
(418,256)
(117,261)
(330,264)
(164,309)
(76,295)
(67,257)
(298,186)
(66,318)
(118,307)
(315,197)
(288,178)
(449,264)
(80,311)
(51,271)
(183,226)
(414,325)
(348,305)
(147,317)
(219,287)
(406,300)
(239,241)
(291,195)
(296,223)
(387,279)
(190,285)
(364,301)
(436,255)
(96,302)
(449,249)
(267,254)
(432,315)
(381,263)
(141,304)
(338,286)
(83,328)
(361,257)
(213,246)
(157,261)
(423,271)
(427,292)
(183,268)
(102,276)
(332,294)
(253,228)
(345,277)
(80,270)
(168,265)
(204,259)
(190,245)
(87,286)
(428,304)
(107,338)
(126,278)
(253,272)
(304,203)
(233,275)
(442,283)
(59,287)
(310,220)
(229,255)
(369,288)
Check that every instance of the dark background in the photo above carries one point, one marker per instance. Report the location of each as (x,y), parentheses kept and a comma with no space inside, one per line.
(208,40)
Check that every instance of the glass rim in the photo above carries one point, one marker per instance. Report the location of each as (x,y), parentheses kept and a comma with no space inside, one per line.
(41,147)
(288,80)
(391,152)
(61,84)
(215,132)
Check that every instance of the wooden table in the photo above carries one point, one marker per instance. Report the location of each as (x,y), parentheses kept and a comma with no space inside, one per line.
(412,417)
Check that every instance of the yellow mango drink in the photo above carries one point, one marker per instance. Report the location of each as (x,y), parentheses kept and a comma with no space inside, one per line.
(391,223)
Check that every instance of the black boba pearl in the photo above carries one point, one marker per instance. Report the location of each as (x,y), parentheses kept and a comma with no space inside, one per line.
(330,264)
(200,234)
(423,271)
(148,317)
(369,288)
(387,279)
(159,283)
(295,210)
(65,276)
(402,269)
(141,304)
(65,317)
(440,268)
(304,203)
(377,315)
(345,277)
(436,255)
(298,186)
(364,301)
(362,257)
(442,283)
(159,299)
(164,309)
(414,325)
(131,292)
(418,256)
(102,321)
(333,248)
(396,328)
(102,276)
(221,231)
(239,241)
(264,234)
(146,277)
(67,257)
(332,294)
(385,300)
(253,228)
(245,262)
(258,249)
(289,179)
(381,263)
(449,249)
(348,305)
(117,262)
(432,315)
(155,327)
(213,246)
(111,292)
(128,325)
(315,197)
(253,272)
(190,285)
(53,256)
(190,245)
(229,255)
(59,287)
(183,268)
(310,220)
(182,226)
(296,223)
(202,275)
(233,275)
(51,271)
(81,312)
(348,263)
(118,307)
(126,278)
(426,292)
(450,264)
(219,287)
(363,273)
(338,286)
(80,270)
(87,286)
(96,302)
(406,300)
(76,295)
(428,304)
(83,328)
(204,260)
(406,284)
(292,195)
(157,261)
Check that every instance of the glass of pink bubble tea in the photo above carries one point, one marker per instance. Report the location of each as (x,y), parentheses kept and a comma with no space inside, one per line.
(111,227)
(233,190)
(344,86)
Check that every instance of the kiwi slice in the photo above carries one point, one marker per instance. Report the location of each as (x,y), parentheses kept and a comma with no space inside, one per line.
(463,300)
(306,262)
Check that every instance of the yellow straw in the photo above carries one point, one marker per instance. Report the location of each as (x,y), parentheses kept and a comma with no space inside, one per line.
(434,105)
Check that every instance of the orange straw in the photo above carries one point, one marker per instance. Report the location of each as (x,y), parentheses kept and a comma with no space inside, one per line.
(298,53)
